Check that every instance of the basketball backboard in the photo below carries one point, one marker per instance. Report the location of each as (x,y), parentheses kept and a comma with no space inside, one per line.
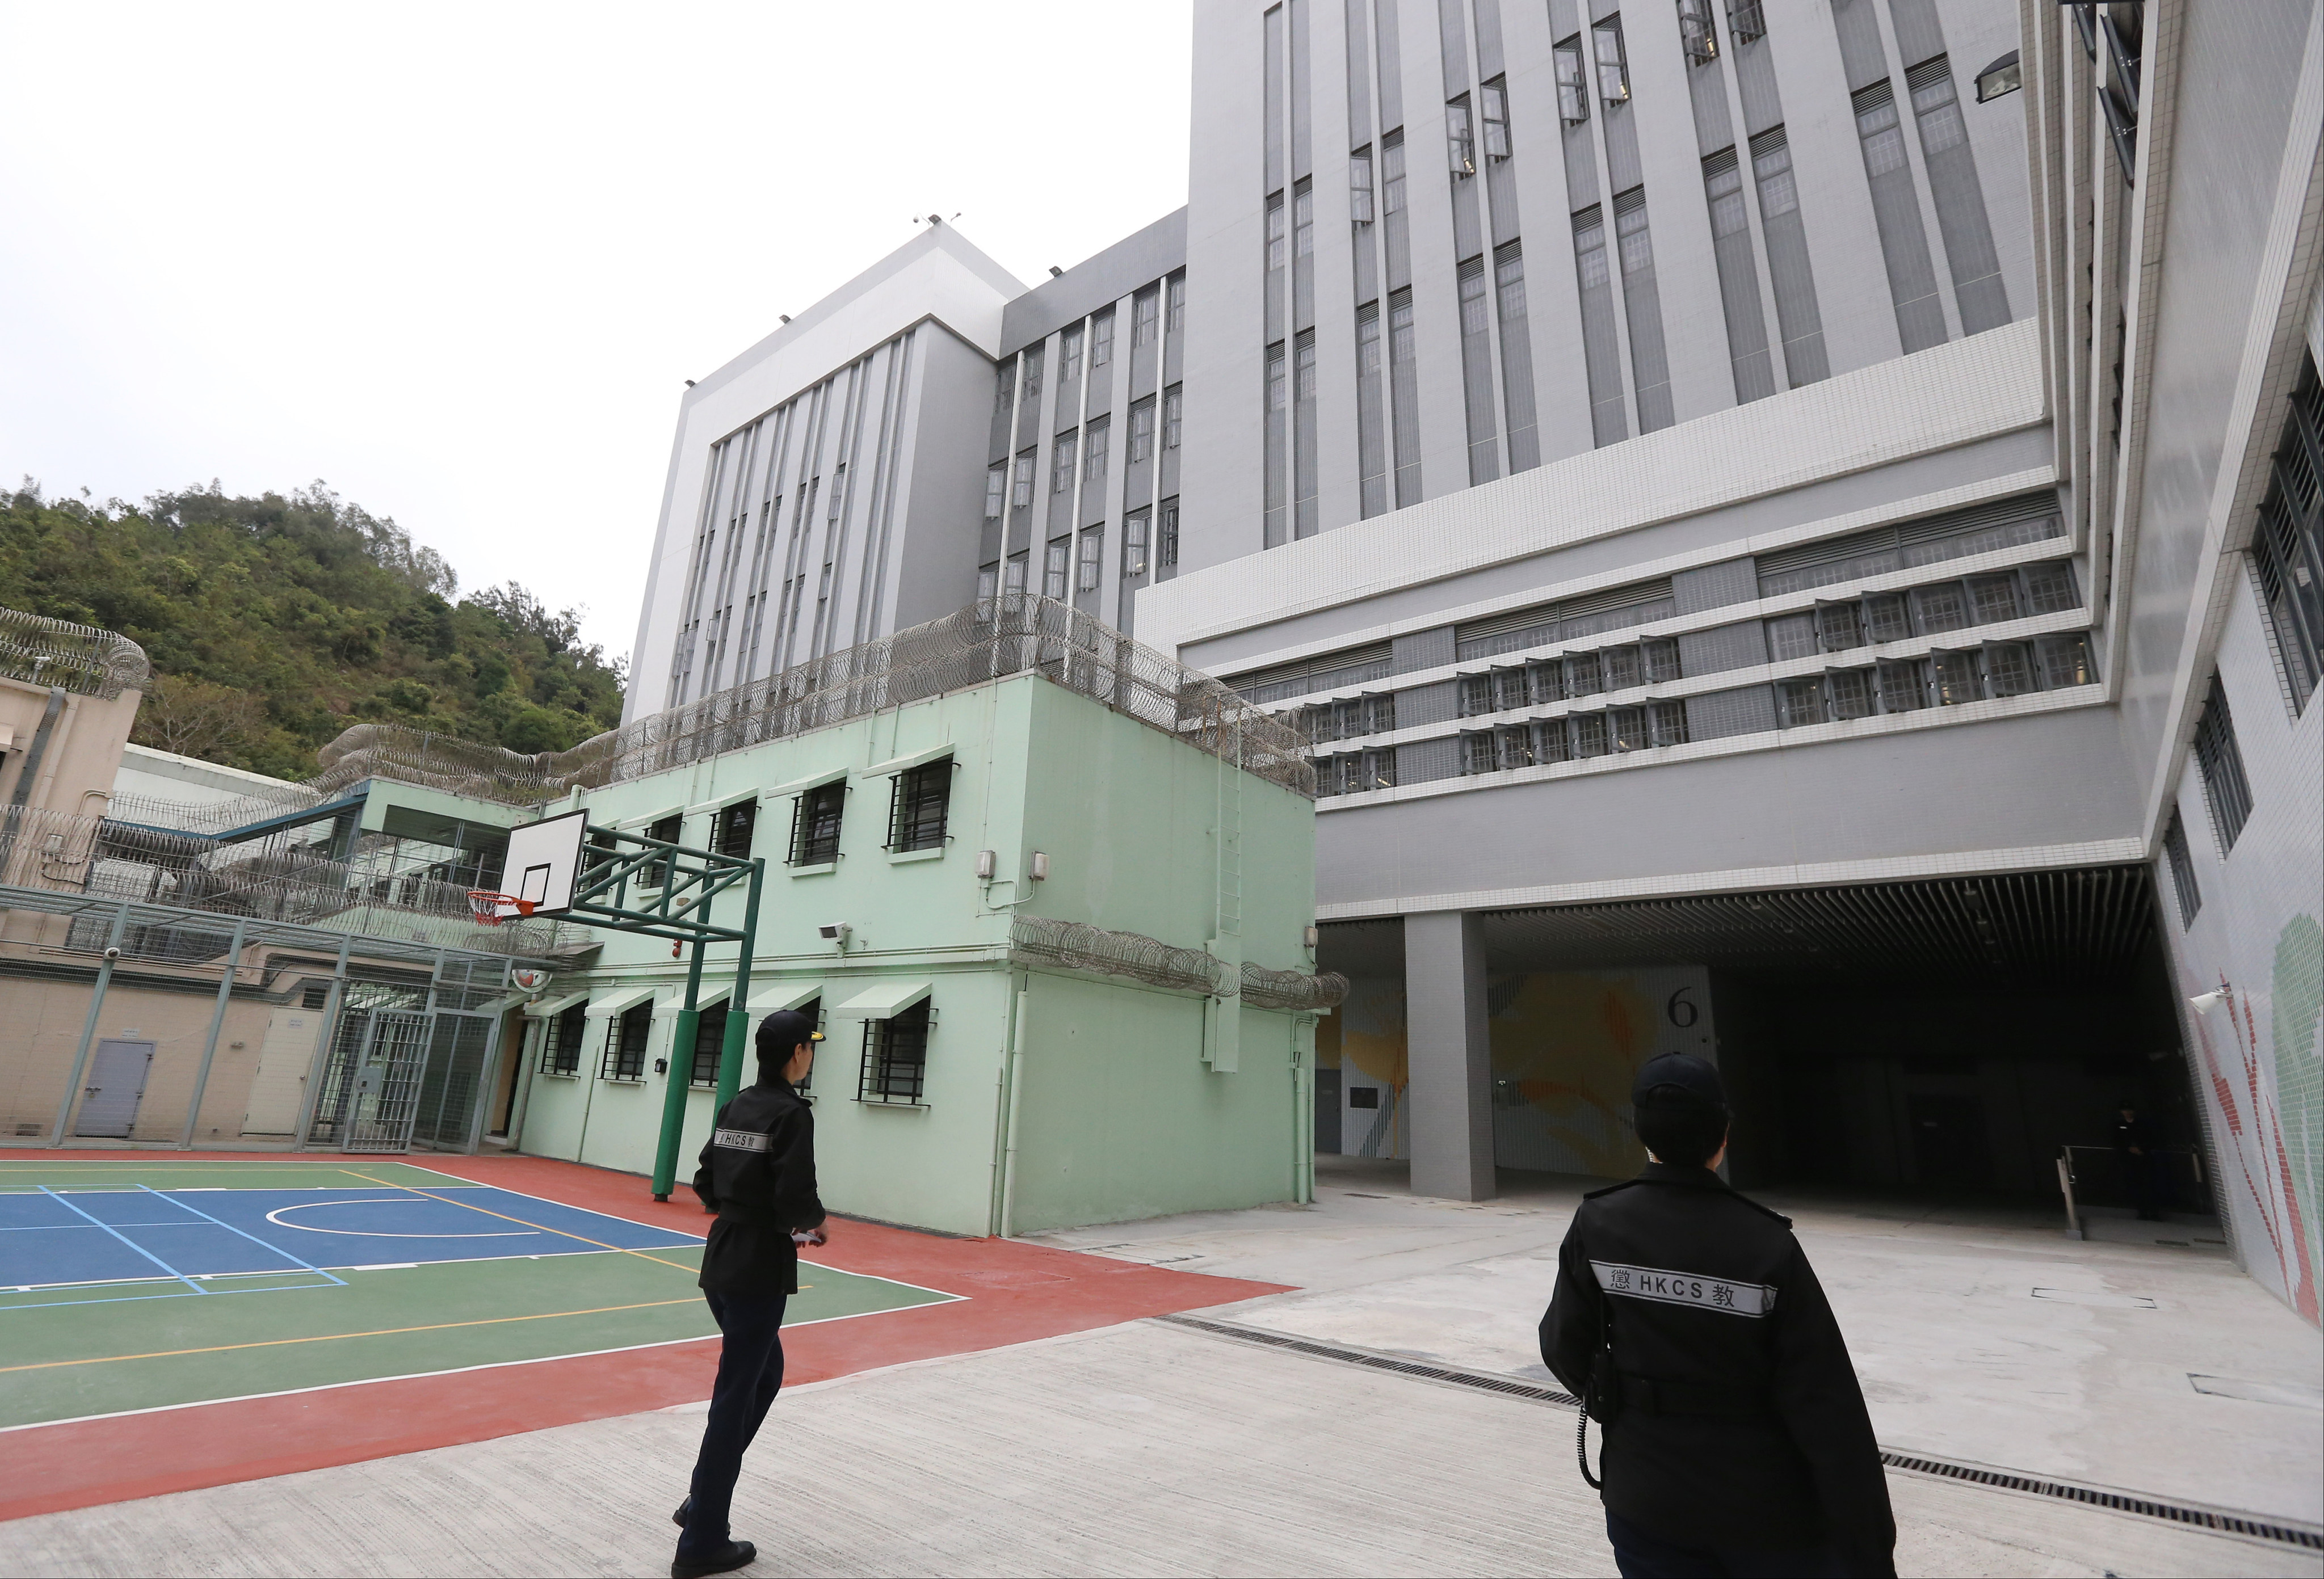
(544,861)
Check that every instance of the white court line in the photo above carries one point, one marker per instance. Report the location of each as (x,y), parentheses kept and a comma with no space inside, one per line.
(275,1217)
(497,1365)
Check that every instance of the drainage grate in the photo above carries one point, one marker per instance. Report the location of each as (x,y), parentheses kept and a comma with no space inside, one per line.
(1426,1372)
(2306,1540)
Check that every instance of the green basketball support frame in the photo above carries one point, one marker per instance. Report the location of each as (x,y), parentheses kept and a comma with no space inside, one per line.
(675,885)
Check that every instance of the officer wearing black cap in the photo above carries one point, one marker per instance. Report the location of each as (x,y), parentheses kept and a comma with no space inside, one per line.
(758,1174)
(1736,1437)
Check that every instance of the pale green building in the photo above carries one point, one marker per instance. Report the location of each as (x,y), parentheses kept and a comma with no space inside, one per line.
(1050,896)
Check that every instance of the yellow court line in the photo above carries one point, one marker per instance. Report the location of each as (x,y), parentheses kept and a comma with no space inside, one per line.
(332,1337)
(536,1227)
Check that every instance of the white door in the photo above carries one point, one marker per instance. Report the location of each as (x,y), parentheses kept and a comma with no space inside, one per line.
(284,1059)
(116,1083)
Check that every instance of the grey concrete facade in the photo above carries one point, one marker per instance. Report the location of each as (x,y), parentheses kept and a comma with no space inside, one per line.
(1688,451)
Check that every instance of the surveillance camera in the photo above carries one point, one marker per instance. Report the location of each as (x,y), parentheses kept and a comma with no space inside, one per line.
(837,932)
(2203,1003)
(113,953)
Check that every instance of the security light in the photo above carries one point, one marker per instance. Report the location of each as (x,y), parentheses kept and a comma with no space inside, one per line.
(837,932)
(1040,867)
(986,864)
(2203,1003)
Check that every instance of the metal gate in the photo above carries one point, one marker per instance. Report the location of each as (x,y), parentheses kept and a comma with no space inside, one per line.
(387,1083)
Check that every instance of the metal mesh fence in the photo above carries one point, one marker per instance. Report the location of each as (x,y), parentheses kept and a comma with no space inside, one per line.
(1013,633)
(80,658)
(275,877)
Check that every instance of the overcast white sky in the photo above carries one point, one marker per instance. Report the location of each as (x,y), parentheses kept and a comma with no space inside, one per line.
(459,262)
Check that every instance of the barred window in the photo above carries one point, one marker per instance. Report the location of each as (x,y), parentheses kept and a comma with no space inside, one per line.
(560,1049)
(1852,694)
(815,817)
(896,1059)
(1585,674)
(729,834)
(2008,669)
(1792,637)
(1628,725)
(1799,703)
(1589,735)
(1994,597)
(2224,786)
(668,830)
(1667,720)
(1939,608)
(2182,869)
(1886,618)
(709,1045)
(1952,677)
(1476,695)
(1573,83)
(1662,662)
(2287,551)
(2065,660)
(921,800)
(1516,745)
(626,1044)
(2050,588)
(1904,685)
(1622,667)
(1551,742)
(1085,579)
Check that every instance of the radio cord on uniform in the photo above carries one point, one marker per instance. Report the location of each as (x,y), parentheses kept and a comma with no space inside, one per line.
(1603,1380)
(1581,1444)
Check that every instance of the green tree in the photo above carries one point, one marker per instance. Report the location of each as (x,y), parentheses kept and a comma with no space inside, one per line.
(273,622)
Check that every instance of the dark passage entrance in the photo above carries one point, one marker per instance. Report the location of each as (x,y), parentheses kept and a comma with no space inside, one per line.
(1942,1038)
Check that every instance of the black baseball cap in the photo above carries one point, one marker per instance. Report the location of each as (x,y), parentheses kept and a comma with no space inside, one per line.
(784,1030)
(1689,1073)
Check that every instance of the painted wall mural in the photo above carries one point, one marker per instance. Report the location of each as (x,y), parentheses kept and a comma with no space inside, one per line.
(1566,1046)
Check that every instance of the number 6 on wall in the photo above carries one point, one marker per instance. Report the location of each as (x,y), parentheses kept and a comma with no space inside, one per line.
(1683,1013)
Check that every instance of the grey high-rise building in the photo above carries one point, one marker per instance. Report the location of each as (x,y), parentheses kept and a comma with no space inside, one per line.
(1792,525)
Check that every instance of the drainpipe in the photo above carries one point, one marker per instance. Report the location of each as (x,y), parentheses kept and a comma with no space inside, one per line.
(96,1006)
(31,769)
(1016,1099)
(1001,1086)
(217,1021)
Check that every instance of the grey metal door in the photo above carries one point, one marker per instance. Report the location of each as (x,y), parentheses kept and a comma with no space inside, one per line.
(1327,1112)
(387,1083)
(116,1084)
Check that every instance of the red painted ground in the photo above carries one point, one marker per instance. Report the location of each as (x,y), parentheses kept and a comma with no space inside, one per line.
(1017,1293)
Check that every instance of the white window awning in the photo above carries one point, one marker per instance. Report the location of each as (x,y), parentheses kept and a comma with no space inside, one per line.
(550,1008)
(785,995)
(884,1000)
(621,1000)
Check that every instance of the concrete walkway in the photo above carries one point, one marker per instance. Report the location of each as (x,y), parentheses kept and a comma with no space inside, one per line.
(1140,1449)
(1985,1336)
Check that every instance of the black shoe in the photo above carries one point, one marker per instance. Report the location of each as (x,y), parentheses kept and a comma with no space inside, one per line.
(739,1554)
(684,1509)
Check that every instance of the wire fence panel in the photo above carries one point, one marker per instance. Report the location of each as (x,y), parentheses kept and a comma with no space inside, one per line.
(387,1083)
(1016,633)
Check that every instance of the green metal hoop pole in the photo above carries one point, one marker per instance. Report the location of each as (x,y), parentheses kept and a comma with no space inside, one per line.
(738,1008)
(680,1078)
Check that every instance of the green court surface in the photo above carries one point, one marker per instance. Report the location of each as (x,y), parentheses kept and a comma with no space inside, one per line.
(155,1341)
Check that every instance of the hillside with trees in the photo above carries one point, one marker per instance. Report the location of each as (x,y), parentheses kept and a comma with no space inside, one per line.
(273,623)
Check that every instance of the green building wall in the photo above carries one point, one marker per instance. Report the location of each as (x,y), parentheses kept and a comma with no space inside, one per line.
(1119,1112)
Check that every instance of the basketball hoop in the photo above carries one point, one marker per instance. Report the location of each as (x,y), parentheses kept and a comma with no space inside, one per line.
(492,908)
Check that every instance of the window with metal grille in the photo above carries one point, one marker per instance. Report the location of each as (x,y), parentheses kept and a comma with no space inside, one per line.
(1622,667)
(1696,34)
(2182,869)
(1747,21)
(1799,703)
(1952,677)
(1852,694)
(709,1045)
(560,1047)
(918,805)
(668,831)
(1360,185)
(896,1059)
(1479,753)
(1086,577)
(1628,726)
(815,817)
(1061,462)
(1029,389)
(1551,742)
(1514,744)
(1145,316)
(1613,66)
(1493,107)
(1667,721)
(1134,528)
(626,1044)
(730,832)
(1168,546)
(1589,734)
(1585,674)
(1102,339)
(1022,487)
(1460,139)
(996,490)
(2224,785)
(1572,82)
(1056,561)
(1174,309)
(2287,551)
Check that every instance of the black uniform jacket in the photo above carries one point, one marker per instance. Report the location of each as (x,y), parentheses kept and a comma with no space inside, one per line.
(758,1174)
(1741,1423)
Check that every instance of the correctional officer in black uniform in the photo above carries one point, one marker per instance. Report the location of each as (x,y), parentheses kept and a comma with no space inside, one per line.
(758,1174)
(1736,1438)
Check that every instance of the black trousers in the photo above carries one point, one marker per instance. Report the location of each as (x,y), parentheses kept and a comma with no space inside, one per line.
(749,1374)
(1641,1555)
